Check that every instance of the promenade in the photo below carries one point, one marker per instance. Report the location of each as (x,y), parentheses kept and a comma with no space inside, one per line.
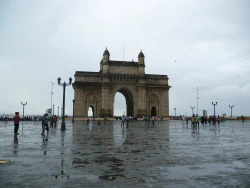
(168,154)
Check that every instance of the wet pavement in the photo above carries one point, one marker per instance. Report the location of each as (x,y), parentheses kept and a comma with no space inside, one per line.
(168,154)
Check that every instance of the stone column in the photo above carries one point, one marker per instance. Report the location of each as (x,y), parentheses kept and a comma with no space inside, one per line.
(164,101)
(79,103)
(105,110)
(141,101)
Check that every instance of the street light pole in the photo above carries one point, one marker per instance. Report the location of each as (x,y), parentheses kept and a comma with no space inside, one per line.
(58,111)
(73,120)
(192,107)
(175,112)
(63,114)
(23,107)
(53,109)
(231,109)
(197,98)
(214,106)
(51,94)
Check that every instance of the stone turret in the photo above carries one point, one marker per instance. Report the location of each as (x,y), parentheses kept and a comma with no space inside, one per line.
(141,58)
(141,63)
(106,56)
(104,62)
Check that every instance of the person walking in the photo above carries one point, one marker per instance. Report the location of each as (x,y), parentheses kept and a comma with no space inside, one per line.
(99,122)
(214,120)
(202,119)
(186,120)
(210,119)
(197,118)
(45,124)
(205,119)
(153,120)
(55,120)
(105,120)
(51,121)
(123,119)
(87,118)
(6,119)
(127,120)
(242,118)
(193,121)
(16,122)
(218,120)
(182,119)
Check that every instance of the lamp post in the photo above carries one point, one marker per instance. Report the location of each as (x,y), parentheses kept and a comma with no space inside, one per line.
(23,107)
(53,110)
(73,111)
(51,95)
(192,107)
(197,98)
(214,106)
(64,86)
(175,112)
(58,112)
(231,109)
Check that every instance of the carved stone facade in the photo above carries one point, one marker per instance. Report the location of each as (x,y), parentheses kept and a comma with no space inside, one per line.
(145,94)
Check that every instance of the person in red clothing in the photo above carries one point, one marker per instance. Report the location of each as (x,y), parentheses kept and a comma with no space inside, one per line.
(55,120)
(16,122)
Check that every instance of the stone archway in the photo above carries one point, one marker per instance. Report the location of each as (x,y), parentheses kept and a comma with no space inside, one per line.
(129,100)
(141,91)
(93,110)
(153,111)
(154,104)
(91,102)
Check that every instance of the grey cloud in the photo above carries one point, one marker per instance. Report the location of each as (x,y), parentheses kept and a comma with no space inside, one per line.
(42,40)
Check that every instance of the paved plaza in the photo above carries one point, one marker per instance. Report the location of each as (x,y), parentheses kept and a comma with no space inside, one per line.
(168,154)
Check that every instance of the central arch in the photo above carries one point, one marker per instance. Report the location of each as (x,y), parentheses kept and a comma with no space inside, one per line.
(129,101)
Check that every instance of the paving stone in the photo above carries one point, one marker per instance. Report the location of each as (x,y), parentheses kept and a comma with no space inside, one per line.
(169,154)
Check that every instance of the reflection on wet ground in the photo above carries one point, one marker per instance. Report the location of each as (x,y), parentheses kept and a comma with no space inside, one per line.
(168,154)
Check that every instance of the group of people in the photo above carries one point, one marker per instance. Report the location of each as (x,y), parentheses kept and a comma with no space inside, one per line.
(98,119)
(104,120)
(196,120)
(45,123)
(153,118)
(4,118)
(124,118)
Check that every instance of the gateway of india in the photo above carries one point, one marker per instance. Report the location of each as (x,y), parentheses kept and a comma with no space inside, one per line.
(145,94)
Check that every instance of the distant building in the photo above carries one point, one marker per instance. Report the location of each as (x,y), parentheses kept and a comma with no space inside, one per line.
(204,113)
(49,112)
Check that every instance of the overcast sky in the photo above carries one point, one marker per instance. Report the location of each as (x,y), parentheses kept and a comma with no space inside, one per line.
(209,40)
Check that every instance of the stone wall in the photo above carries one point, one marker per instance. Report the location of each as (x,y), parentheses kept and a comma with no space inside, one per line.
(122,70)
